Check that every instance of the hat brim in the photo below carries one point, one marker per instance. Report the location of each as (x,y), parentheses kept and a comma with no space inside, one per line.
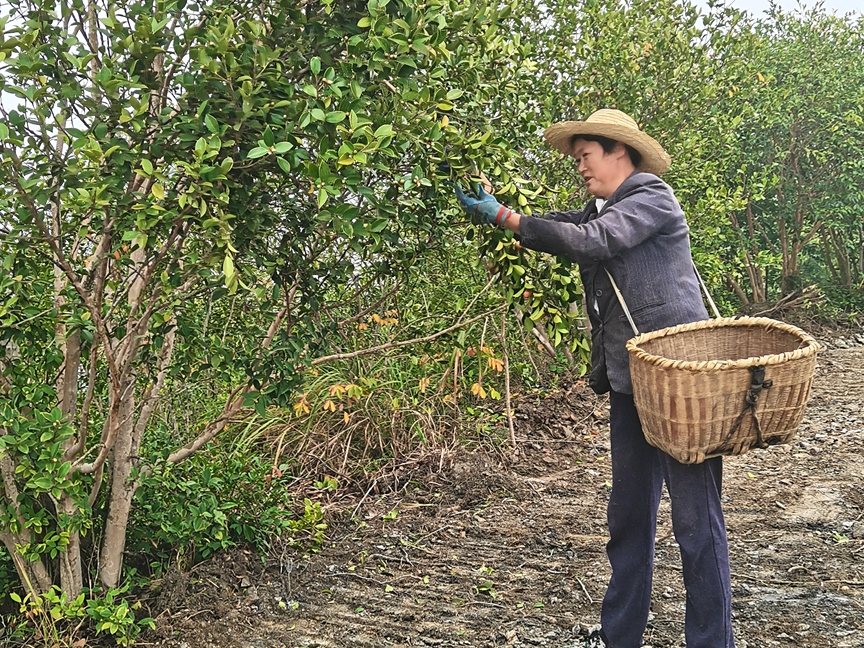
(654,158)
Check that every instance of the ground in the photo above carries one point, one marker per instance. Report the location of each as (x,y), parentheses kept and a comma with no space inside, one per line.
(485,549)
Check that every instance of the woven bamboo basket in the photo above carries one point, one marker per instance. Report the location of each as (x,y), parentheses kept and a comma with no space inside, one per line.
(701,392)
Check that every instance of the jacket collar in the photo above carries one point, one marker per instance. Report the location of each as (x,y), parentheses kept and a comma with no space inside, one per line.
(635,179)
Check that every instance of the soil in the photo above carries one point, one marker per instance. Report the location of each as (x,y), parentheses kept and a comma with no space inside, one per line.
(499,549)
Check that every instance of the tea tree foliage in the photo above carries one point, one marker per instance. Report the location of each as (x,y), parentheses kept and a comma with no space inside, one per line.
(163,159)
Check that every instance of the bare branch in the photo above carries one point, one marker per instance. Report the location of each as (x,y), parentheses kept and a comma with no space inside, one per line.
(60,259)
(375,304)
(232,406)
(394,345)
(76,449)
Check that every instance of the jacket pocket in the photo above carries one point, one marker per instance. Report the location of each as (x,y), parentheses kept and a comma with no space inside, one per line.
(645,310)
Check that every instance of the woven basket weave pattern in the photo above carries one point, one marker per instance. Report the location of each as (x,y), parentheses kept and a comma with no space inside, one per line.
(690,384)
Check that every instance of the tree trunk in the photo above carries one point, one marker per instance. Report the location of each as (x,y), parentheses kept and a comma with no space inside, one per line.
(33,575)
(859,265)
(829,260)
(71,575)
(122,489)
(843,264)
(758,289)
(738,290)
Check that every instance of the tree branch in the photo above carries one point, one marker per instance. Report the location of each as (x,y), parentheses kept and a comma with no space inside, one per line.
(394,345)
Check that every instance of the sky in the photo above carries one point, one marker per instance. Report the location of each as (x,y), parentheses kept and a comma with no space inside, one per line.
(757,7)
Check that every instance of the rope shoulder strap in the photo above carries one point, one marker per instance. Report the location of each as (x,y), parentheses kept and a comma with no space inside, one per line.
(627,310)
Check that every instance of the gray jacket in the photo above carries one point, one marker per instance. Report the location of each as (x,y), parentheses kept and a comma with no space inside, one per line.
(642,238)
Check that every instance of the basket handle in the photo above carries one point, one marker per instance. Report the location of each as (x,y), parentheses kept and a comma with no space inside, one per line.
(627,310)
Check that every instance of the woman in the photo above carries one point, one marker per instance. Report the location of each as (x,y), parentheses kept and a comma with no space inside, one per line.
(634,230)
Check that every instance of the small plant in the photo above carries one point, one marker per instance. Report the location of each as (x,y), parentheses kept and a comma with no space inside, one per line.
(208,504)
(487,587)
(55,619)
(117,617)
(330,484)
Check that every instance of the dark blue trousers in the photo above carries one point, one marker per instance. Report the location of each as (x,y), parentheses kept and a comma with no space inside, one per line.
(638,473)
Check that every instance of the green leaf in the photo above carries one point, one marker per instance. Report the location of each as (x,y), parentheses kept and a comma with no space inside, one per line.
(283,164)
(318,114)
(322,197)
(384,131)
(147,166)
(335,117)
(445,106)
(229,271)
(364,22)
(257,152)
(315,65)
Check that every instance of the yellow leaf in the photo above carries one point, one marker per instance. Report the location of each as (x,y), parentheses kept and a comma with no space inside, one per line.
(346,416)
(444,121)
(329,406)
(158,191)
(760,77)
(301,406)
(424,383)
(478,391)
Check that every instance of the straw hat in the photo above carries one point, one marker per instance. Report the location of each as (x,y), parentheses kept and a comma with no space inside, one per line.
(615,125)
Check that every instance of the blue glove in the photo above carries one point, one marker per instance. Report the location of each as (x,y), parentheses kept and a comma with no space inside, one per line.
(482,207)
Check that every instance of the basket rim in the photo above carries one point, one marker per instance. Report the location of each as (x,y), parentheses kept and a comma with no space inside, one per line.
(811,345)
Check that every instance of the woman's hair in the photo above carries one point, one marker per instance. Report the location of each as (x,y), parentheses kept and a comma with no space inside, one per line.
(609,145)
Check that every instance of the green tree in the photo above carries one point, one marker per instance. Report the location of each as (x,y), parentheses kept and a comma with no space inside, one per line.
(798,138)
(165,159)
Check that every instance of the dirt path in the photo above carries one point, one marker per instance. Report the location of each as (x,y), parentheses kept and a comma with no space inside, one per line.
(485,554)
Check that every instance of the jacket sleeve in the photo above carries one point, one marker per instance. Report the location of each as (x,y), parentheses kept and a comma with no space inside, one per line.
(575,217)
(635,217)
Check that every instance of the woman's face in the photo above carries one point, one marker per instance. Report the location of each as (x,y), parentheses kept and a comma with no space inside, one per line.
(603,172)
